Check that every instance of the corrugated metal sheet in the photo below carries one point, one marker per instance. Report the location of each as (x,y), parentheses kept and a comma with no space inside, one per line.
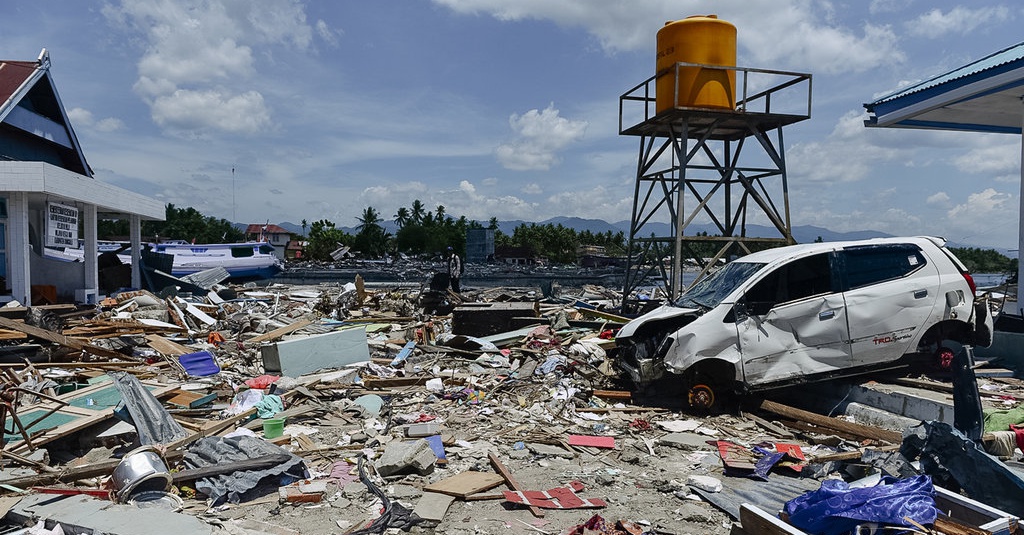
(1003,57)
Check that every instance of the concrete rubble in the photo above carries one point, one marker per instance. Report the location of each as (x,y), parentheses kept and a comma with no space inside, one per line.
(345,408)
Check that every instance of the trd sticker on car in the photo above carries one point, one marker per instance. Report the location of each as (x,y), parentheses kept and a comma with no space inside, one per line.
(891,338)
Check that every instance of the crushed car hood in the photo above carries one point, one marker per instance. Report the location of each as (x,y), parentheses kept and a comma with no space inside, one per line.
(660,313)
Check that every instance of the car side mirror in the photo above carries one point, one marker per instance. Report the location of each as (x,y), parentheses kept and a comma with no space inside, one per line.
(739,312)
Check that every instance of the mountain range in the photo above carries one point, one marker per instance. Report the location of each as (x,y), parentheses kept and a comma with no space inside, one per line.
(801,233)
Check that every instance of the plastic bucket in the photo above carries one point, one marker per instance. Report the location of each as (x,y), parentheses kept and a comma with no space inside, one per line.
(273,427)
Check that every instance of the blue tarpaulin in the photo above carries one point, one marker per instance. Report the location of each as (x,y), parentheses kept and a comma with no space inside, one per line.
(837,508)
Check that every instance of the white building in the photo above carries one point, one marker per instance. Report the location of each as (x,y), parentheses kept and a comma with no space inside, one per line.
(47,193)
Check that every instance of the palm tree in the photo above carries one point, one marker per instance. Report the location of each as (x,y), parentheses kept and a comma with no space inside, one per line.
(493,223)
(418,211)
(402,217)
(440,212)
(304,225)
(369,220)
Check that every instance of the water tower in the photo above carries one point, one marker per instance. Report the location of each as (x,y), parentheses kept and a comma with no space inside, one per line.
(711,161)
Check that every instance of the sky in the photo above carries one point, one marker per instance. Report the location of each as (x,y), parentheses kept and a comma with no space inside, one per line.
(282,110)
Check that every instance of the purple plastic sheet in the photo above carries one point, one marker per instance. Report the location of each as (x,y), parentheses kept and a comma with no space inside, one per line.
(836,508)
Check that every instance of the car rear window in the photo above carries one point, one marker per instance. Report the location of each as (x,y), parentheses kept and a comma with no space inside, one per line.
(872,264)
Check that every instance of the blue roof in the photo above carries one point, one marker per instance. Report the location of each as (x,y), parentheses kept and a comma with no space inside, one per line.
(997,59)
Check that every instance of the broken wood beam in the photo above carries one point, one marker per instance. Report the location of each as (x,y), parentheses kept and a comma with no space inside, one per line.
(511,481)
(259,463)
(855,429)
(57,338)
(279,332)
(74,473)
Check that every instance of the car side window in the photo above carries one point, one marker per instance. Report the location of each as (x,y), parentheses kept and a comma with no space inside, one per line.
(799,279)
(872,264)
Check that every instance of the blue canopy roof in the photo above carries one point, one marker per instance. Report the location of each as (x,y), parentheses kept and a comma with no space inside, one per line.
(983,96)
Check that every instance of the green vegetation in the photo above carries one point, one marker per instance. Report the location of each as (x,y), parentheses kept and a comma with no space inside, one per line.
(558,243)
(984,260)
(181,224)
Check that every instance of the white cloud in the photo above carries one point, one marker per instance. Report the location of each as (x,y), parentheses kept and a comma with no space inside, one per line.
(1000,155)
(962,20)
(940,198)
(983,204)
(325,32)
(195,111)
(539,136)
(489,181)
(796,33)
(204,53)
(532,189)
(79,116)
(110,124)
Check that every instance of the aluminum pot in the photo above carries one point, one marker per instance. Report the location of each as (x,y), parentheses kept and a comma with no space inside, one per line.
(140,470)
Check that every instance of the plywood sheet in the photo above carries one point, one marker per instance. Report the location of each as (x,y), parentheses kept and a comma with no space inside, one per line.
(466,483)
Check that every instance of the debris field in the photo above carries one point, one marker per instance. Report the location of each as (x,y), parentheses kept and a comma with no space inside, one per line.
(340,408)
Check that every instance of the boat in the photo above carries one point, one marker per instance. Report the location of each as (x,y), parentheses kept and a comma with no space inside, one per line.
(243,261)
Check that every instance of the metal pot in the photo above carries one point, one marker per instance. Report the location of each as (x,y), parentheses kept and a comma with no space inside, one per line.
(140,470)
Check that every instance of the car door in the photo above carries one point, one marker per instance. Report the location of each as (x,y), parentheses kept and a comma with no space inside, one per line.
(890,292)
(793,322)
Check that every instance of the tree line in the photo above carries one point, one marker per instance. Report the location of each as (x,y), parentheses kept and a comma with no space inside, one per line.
(430,232)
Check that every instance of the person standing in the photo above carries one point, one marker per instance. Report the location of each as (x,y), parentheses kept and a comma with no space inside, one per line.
(455,269)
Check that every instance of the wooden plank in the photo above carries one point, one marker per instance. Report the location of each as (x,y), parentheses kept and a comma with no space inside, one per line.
(511,482)
(279,332)
(167,347)
(465,483)
(614,394)
(863,431)
(756,520)
(603,315)
(266,461)
(190,400)
(57,338)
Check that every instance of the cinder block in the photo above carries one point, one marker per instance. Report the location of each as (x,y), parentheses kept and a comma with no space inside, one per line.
(399,457)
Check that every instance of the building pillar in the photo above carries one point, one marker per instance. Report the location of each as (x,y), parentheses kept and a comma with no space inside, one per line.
(1020,218)
(19,250)
(135,237)
(91,250)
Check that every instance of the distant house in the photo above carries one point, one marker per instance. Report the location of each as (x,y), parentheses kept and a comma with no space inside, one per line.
(294,250)
(515,255)
(272,234)
(47,193)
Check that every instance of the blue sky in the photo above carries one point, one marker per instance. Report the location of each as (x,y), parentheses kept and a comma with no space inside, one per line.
(500,108)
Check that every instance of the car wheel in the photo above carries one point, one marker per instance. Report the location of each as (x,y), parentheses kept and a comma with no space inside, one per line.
(944,353)
(701,397)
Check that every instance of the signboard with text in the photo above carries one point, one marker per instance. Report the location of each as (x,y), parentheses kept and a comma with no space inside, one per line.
(61,225)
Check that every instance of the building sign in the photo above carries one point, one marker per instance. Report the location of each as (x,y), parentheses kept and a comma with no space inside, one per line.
(61,225)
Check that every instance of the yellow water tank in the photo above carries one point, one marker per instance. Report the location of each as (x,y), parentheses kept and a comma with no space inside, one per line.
(698,39)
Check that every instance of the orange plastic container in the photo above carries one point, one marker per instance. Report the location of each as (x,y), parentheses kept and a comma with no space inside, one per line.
(698,39)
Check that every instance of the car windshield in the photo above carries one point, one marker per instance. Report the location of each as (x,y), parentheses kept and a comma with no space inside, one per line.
(711,290)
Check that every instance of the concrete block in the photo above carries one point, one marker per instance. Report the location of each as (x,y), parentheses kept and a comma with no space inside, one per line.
(401,457)
(315,353)
(433,506)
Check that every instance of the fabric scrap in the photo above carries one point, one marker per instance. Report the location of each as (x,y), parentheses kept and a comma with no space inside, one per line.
(269,405)
(234,487)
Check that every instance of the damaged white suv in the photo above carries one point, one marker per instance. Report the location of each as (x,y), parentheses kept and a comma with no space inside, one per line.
(808,312)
